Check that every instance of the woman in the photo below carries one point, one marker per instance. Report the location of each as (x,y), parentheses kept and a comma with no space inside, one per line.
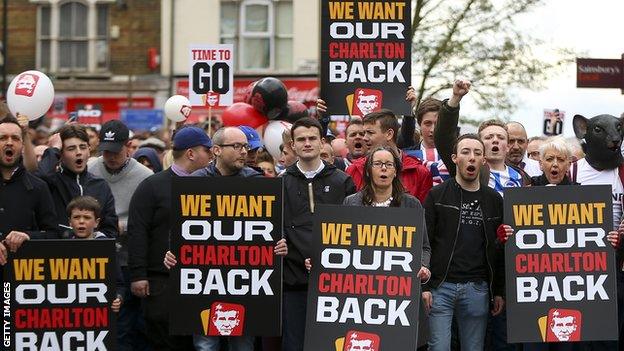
(554,159)
(383,188)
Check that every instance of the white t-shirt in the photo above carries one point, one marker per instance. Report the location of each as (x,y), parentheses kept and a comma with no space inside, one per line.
(588,175)
(531,167)
(508,178)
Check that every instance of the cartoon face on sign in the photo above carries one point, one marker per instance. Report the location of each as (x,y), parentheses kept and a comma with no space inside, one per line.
(564,325)
(212,99)
(26,84)
(185,110)
(359,341)
(366,101)
(227,319)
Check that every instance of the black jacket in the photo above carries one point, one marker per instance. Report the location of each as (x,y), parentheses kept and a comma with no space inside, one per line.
(148,226)
(330,186)
(542,181)
(442,212)
(65,185)
(26,206)
(213,171)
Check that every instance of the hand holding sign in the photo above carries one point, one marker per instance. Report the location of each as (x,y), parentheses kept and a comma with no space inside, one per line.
(31,94)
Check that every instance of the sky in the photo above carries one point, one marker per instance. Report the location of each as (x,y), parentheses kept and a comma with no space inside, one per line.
(593,29)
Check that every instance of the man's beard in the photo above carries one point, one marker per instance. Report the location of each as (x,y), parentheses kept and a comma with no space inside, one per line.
(11,165)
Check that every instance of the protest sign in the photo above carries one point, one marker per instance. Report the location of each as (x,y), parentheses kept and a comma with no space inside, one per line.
(553,122)
(365,56)
(57,296)
(363,292)
(560,268)
(228,279)
(211,78)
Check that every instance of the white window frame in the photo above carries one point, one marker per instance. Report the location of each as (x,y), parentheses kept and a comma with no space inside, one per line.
(54,36)
(269,34)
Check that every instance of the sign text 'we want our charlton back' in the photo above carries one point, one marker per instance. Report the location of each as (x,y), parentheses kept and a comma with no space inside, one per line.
(561,282)
(228,279)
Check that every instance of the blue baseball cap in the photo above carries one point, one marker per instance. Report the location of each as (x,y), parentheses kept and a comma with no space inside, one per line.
(253,138)
(188,137)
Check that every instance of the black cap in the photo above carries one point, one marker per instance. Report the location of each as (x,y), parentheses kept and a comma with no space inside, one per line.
(113,135)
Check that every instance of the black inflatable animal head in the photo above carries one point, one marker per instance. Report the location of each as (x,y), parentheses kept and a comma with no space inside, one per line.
(603,139)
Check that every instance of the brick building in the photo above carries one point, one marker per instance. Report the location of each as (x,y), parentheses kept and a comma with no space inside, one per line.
(109,55)
(101,54)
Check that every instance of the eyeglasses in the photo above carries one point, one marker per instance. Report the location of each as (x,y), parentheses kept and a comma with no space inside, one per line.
(379,164)
(237,146)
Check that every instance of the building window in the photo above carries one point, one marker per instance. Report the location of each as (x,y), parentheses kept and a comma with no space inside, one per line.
(73,36)
(261,31)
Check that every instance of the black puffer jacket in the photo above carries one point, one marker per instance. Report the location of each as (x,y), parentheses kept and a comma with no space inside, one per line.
(442,213)
(66,185)
(26,206)
(213,171)
(330,186)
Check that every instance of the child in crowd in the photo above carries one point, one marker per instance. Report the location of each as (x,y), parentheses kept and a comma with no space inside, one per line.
(84,217)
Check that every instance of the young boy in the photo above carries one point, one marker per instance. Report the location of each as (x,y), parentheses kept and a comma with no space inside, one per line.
(84,217)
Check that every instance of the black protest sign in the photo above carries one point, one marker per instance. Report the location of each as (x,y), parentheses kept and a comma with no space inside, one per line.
(363,291)
(57,295)
(561,274)
(365,56)
(227,280)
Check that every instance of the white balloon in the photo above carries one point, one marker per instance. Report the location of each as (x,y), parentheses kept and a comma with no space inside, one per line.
(31,94)
(178,108)
(273,136)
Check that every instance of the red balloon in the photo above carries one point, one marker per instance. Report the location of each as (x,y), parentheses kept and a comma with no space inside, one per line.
(240,114)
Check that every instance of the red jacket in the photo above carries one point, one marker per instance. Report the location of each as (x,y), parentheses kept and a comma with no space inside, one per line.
(415,177)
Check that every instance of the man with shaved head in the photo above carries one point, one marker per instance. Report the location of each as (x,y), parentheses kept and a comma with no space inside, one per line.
(518,143)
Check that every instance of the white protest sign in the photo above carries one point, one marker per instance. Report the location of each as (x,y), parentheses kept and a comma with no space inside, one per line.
(211,77)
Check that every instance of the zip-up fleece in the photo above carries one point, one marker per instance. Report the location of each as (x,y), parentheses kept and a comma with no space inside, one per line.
(442,214)
(330,186)
(65,185)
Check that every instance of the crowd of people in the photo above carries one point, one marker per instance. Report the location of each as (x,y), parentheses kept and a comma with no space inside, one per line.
(81,182)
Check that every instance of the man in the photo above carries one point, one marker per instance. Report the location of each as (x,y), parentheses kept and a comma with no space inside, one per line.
(148,235)
(123,174)
(462,219)
(287,154)
(425,150)
(230,150)
(533,147)
(255,144)
(493,134)
(518,144)
(26,208)
(64,168)
(327,153)
(94,141)
(382,128)
(355,141)
(309,176)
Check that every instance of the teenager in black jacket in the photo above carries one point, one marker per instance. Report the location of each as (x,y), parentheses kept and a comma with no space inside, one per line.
(307,182)
(64,168)
(467,260)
